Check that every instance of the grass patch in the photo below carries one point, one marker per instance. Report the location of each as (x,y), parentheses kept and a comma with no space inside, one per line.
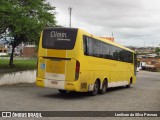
(19,65)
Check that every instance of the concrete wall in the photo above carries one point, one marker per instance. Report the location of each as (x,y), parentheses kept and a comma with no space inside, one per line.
(18,77)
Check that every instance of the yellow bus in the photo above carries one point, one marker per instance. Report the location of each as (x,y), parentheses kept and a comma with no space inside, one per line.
(71,59)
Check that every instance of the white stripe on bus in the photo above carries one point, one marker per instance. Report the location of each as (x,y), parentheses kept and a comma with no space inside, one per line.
(54,76)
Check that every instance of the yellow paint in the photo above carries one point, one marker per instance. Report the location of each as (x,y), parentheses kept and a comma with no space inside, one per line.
(55,66)
(57,53)
(40,82)
(91,68)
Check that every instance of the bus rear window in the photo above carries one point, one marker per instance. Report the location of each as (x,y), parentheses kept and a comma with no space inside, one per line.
(59,38)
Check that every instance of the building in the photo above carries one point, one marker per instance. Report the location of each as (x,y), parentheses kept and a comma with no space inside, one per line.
(29,51)
(151,62)
(3,50)
(147,56)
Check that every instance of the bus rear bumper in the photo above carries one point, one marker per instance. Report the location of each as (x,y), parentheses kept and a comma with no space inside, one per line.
(63,85)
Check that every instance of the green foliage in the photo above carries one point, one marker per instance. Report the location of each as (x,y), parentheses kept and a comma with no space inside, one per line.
(157,51)
(24,20)
(20,65)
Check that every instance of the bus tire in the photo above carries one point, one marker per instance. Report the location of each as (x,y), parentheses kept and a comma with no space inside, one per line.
(129,85)
(95,88)
(62,91)
(104,87)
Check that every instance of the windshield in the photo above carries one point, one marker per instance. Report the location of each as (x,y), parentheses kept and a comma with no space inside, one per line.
(59,38)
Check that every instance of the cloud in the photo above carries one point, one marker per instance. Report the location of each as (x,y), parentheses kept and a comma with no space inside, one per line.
(131,21)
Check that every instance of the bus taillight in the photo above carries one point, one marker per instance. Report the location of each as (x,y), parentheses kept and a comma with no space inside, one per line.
(77,70)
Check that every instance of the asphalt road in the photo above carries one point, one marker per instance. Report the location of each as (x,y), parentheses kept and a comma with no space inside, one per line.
(143,96)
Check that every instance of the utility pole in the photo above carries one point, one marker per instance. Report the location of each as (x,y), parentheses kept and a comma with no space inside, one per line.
(112,34)
(70,11)
(144,44)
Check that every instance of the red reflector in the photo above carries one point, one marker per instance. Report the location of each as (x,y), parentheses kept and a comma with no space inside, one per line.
(77,66)
(77,70)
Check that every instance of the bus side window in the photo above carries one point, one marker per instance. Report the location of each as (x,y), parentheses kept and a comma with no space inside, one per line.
(97,48)
(85,45)
(88,44)
(106,51)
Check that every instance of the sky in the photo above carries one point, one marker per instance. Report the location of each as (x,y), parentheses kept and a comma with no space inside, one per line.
(132,22)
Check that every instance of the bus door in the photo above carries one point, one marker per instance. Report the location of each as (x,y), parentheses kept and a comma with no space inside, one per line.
(135,64)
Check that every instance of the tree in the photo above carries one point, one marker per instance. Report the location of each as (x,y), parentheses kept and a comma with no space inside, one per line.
(23,20)
(157,51)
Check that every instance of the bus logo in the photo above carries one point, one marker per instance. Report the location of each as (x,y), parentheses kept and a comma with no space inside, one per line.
(56,34)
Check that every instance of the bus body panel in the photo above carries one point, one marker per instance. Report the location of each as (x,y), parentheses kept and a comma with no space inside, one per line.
(115,72)
(57,68)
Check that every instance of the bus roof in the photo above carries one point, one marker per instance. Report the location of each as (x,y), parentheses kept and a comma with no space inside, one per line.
(96,37)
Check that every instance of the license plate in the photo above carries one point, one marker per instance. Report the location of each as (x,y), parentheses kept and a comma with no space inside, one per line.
(54,82)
